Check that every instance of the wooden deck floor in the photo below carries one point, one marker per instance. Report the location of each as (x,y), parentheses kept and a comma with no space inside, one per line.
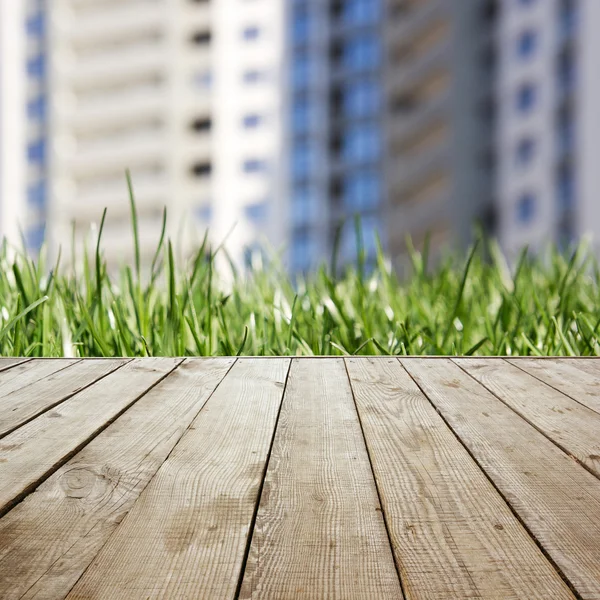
(311,478)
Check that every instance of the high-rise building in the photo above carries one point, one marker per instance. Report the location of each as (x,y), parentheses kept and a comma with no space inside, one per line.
(391,118)
(185,94)
(548,131)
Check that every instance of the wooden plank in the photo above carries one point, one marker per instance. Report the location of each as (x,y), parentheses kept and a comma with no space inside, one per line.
(48,540)
(443,514)
(24,374)
(34,451)
(577,378)
(319,530)
(7,363)
(556,498)
(572,426)
(186,535)
(24,404)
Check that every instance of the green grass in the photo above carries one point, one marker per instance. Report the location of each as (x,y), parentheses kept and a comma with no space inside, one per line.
(470,305)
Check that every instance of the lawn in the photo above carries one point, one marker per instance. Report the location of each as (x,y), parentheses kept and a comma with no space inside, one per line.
(469,305)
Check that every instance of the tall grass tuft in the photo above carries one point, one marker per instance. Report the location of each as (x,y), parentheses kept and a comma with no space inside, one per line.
(470,306)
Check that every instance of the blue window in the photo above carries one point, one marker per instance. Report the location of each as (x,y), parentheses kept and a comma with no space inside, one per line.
(36,151)
(361,53)
(566,70)
(303,250)
(566,134)
(361,98)
(35,237)
(204,213)
(566,188)
(568,17)
(257,212)
(301,25)
(370,230)
(302,160)
(254,76)
(251,33)
(36,66)
(304,205)
(36,25)
(36,108)
(361,191)
(526,97)
(36,195)
(301,115)
(526,208)
(203,80)
(255,165)
(526,43)
(252,121)
(361,143)
(301,70)
(525,151)
(361,12)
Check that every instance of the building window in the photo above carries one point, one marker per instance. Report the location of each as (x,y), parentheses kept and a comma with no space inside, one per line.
(303,205)
(303,250)
(301,25)
(36,66)
(36,195)
(361,191)
(526,97)
(361,12)
(526,43)
(36,108)
(301,111)
(302,160)
(201,125)
(361,53)
(361,98)
(201,38)
(301,70)
(370,229)
(566,70)
(204,213)
(361,143)
(253,76)
(35,237)
(526,208)
(254,165)
(252,121)
(565,188)
(203,80)
(36,25)
(525,151)
(36,151)
(251,34)
(257,213)
(201,169)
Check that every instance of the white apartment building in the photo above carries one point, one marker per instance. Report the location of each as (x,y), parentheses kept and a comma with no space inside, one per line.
(185,94)
(548,93)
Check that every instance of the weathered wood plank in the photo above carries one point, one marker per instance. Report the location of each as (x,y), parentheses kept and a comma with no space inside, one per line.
(443,515)
(24,404)
(8,362)
(319,530)
(577,378)
(49,539)
(572,426)
(556,498)
(186,535)
(26,373)
(34,451)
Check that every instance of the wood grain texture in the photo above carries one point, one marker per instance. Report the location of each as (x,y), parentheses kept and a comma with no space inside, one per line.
(26,373)
(24,404)
(186,535)
(319,530)
(7,363)
(572,426)
(578,378)
(556,498)
(49,539)
(443,514)
(32,452)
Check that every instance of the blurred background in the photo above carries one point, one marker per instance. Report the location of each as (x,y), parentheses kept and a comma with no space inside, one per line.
(269,122)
